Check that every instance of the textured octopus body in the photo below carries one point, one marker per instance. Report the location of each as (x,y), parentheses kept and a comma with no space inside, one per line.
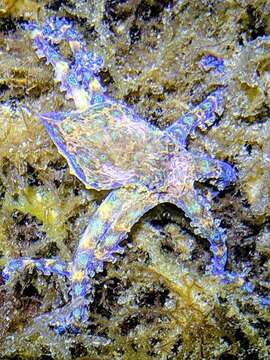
(95,144)
(109,147)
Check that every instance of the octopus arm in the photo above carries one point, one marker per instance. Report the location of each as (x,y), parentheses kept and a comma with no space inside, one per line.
(198,210)
(201,116)
(220,173)
(101,241)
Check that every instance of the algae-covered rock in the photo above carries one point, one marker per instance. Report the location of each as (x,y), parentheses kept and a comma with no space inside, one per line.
(157,301)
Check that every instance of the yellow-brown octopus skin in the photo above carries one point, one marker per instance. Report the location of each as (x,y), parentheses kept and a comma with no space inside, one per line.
(109,147)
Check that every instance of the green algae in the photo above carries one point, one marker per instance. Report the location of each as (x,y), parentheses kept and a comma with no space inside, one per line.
(155,302)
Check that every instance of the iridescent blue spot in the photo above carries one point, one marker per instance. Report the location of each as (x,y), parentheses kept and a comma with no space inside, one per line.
(77,313)
(117,114)
(113,196)
(205,165)
(97,99)
(72,80)
(78,290)
(90,55)
(206,105)
(87,75)
(194,207)
(188,119)
(83,259)
(47,30)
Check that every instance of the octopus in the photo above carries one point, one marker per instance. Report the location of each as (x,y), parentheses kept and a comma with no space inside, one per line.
(110,147)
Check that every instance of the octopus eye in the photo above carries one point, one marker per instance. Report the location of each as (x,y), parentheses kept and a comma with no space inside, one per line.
(103,157)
